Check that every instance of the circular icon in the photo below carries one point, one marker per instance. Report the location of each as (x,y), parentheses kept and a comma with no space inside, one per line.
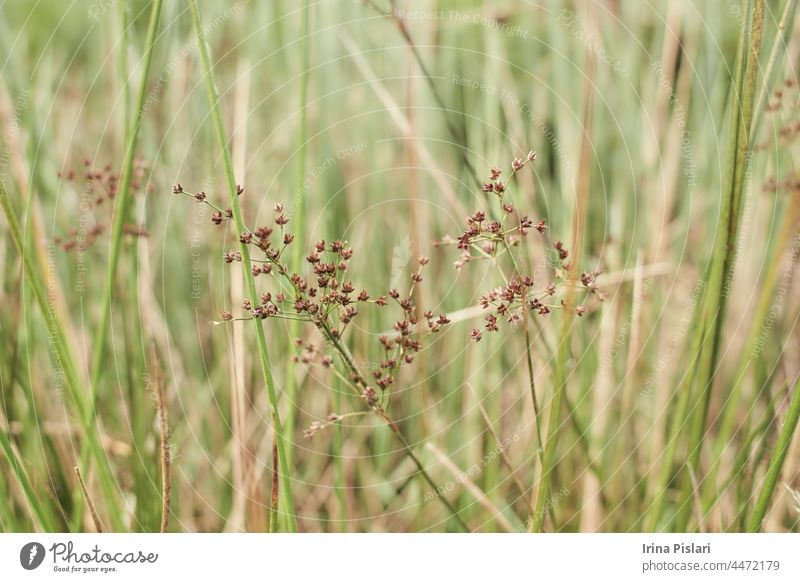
(31,555)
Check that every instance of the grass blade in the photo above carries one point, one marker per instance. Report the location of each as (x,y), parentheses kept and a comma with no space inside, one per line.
(554,425)
(776,463)
(298,214)
(61,358)
(282,443)
(725,249)
(123,199)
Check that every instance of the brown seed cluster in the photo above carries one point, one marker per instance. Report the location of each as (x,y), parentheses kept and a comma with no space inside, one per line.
(493,239)
(317,425)
(785,109)
(784,98)
(325,296)
(96,187)
(398,350)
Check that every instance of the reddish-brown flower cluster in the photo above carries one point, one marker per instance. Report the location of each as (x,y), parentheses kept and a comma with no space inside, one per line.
(317,425)
(511,302)
(489,237)
(486,238)
(589,281)
(785,107)
(399,349)
(95,188)
(783,98)
(326,297)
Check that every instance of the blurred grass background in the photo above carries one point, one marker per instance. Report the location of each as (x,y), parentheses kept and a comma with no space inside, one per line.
(389,158)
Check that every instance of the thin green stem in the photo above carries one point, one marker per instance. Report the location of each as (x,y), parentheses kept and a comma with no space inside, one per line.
(338,444)
(776,463)
(123,198)
(219,129)
(757,330)
(725,249)
(383,415)
(43,517)
(779,47)
(554,425)
(62,360)
(299,212)
(121,215)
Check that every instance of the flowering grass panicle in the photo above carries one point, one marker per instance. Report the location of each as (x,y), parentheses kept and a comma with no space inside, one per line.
(493,239)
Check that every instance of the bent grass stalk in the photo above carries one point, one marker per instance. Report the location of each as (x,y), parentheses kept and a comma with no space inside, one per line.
(64,366)
(725,249)
(704,327)
(120,216)
(282,443)
(299,213)
(561,373)
(776,463)
(723,437)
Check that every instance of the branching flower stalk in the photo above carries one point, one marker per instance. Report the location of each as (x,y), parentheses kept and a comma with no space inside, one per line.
(492,239)
(328,302)
(235,213)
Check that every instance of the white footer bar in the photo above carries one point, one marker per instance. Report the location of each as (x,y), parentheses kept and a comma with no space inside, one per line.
(401,557)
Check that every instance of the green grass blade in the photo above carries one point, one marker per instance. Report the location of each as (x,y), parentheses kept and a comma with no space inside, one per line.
(42,515)
(776,463)
(219,129)
(554,425)
(61,358)
(725,250)
(123,199)
(298,217)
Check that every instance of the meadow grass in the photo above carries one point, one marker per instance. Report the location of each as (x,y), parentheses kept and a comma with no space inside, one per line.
(666,146)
